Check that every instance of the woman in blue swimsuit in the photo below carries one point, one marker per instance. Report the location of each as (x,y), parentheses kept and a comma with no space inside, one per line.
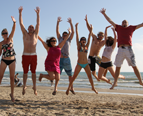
(82,48)
(8,56)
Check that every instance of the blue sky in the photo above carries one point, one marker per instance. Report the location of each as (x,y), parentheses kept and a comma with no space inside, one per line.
(76,9)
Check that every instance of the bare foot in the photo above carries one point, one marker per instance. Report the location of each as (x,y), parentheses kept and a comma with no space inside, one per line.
(40,77)
(95,90)
(35,91)
(67,92)
(121,77)
(112,87)
(23,92)
(12,98)
(97,78)
(109,81)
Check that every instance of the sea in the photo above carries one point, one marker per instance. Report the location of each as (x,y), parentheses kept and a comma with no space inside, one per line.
(129,83)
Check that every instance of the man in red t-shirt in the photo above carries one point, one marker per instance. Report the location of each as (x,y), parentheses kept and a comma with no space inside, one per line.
(125,51)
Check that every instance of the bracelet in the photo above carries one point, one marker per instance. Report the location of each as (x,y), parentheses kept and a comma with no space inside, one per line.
(14,22)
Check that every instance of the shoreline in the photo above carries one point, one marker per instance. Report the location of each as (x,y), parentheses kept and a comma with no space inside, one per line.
(88,90)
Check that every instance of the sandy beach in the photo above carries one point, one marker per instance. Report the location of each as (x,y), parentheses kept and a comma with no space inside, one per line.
(80,104)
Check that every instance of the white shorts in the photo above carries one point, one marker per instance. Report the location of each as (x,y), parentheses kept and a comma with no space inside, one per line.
(125,53)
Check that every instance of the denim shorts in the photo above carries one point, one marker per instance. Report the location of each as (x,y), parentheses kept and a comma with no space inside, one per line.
(65,64)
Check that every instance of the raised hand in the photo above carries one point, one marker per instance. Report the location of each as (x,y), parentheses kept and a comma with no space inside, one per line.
(69,30)
(108,26)
(103,10)
(69,20)
(59,19)
(91,28)
(20,9)
(113,28)
(13,19)
(85,18)
(76,25)
(37,10)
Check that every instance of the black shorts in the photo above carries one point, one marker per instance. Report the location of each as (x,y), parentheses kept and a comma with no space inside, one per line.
(106,64)
(92,60)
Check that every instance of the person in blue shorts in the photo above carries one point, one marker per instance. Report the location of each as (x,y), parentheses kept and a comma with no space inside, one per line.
(65,62)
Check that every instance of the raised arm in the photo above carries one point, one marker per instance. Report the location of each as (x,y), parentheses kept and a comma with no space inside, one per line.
(139,26)
(90,33)
(72,29)
(38,20)
(64,41)
(105,37)
(115,38)
(77,36)
(21,21)
(57,27)
(13,29)
(107,18)
(44,44)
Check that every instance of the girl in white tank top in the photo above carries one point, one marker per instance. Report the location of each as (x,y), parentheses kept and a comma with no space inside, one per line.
(106,62)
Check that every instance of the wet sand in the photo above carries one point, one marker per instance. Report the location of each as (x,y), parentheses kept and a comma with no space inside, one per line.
(121,103)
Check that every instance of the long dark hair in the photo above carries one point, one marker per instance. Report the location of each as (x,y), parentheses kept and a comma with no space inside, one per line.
(48,41)
(109,41)
(81,39)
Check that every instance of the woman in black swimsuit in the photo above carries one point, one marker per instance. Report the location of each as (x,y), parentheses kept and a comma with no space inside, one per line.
(8,56)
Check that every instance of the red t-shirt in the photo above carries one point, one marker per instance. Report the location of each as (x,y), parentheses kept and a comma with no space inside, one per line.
(125,34)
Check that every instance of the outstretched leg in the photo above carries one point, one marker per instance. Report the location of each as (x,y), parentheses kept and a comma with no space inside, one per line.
(76,72)
(137,73)
(94,74)
(87,70)
(12,73)
(100,75)
(112,71)
(57,78)
(2,70)
(49,76)
(117,72)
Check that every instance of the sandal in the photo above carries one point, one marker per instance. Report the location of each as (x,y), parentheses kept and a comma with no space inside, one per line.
(72,92)
(54,92)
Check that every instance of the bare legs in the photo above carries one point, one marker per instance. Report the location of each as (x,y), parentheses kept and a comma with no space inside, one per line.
(34,83)
(25,80)
(137,73)
(76,72)
(51,76)
(24,83)
(100,75)
(12,73)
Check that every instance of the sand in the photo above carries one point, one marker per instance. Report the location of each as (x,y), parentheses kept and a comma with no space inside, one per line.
(61,104)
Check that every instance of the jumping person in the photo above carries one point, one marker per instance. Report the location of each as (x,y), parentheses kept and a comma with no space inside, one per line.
(94,58)
(106,62)
(8,56)
(29,57)
(82,62)
(65,62)
(53,59)
(125,51)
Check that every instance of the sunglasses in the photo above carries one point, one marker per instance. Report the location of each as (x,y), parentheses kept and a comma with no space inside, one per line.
(83,39)
(53,40)
(4,33)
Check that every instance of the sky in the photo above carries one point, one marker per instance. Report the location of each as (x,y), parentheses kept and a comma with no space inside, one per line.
(50,10)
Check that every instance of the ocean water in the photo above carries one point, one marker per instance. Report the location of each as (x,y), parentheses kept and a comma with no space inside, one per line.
(129,83)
